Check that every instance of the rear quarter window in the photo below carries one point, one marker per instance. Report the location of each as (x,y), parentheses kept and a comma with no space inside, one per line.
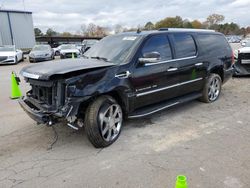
(184,45)
(211,43)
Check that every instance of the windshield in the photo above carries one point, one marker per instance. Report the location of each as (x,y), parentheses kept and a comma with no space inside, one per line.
(90,42)
(40,48)
(7,48)
(247,44)
(67,47)
(113,48)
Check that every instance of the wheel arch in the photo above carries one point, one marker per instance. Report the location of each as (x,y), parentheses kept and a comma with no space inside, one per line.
(116,94)
(218,70)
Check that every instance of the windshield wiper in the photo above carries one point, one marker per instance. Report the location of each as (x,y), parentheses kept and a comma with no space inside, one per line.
(100,58)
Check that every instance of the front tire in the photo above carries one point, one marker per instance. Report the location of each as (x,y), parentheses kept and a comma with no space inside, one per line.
(22,58)
(103,121)
(16,60)
(57,53)
(212,89)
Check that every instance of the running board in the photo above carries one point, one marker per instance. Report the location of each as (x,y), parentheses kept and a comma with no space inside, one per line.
(151,109)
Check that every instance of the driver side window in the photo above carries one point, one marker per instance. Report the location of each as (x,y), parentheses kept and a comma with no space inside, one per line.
(160,44)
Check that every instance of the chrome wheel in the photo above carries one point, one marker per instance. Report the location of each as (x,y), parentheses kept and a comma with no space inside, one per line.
(214,89)
(111,122)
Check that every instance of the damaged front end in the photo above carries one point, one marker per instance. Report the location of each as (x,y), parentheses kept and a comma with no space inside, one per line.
(47,102)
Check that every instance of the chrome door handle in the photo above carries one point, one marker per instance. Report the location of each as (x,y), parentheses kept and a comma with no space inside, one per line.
(198,64)
(123,75)
(172,69)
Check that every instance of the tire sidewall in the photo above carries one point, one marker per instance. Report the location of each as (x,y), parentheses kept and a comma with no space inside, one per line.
(93,122)
(106,104)
(209,80)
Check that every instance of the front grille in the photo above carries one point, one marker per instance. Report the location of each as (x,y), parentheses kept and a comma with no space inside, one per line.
(244,56)
(2,58)
(42,94)
(69,55)
(50,94)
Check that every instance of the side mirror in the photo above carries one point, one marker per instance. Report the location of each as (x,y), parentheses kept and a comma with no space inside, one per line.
(150,57)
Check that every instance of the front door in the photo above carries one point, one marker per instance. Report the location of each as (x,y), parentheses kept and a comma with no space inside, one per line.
(155,82)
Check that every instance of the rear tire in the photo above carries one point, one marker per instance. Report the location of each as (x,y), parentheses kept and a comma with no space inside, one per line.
(103,121)
(212,88)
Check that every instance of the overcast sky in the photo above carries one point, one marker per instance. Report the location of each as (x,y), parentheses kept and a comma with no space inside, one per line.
(68,15)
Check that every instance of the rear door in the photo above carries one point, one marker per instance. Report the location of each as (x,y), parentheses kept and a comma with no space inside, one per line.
(191,68)
(155,82)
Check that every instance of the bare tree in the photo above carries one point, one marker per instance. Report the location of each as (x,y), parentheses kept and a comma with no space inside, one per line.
(93,30)
(83,29)
(214,19)
(118,28)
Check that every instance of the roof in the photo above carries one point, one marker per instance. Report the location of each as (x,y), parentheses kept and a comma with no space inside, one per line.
(15,11)
(168,30)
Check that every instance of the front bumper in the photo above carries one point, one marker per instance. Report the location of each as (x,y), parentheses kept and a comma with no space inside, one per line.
(37,59)
(33,112)
(240,70)
(42,115)
(69,55)
(8,61)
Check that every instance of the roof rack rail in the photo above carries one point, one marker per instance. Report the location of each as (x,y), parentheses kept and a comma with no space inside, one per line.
(185,29)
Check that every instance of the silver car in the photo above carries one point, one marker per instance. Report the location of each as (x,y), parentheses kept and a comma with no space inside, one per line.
(41,53)
(10,55)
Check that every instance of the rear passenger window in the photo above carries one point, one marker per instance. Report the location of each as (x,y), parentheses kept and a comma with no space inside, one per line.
(211,43)
(184,45)
(158,43)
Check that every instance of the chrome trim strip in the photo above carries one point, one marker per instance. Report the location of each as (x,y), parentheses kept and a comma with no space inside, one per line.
(123,75)
(141,115)
(172,60)
(168,87)
(30,75)
(199,64)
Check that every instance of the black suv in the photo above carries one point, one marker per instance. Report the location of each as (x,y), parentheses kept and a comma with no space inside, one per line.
(129,75)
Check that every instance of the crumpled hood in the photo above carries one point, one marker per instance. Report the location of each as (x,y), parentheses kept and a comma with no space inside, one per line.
(43,71)
(69,51)
(10,53)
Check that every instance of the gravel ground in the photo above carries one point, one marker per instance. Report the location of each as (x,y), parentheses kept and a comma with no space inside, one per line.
(209,143)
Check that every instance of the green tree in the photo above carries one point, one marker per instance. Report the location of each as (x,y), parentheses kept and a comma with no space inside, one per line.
(38,32)
(170,22)
(228,28)
(50,32)
(149,26)
(196,24)
(66,34)
(187,24)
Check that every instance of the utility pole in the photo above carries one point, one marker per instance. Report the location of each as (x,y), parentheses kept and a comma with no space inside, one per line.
(24,5)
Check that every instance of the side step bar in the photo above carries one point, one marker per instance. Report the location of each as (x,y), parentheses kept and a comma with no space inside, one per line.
(151,109)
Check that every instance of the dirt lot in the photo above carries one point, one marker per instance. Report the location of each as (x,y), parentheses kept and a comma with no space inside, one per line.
(209,143)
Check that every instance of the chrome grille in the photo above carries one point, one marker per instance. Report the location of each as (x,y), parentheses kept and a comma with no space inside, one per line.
(2,58)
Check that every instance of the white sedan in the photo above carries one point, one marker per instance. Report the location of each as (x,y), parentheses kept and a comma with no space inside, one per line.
(10,55)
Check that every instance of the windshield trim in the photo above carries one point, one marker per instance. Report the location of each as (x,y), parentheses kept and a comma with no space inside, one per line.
(127,58)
